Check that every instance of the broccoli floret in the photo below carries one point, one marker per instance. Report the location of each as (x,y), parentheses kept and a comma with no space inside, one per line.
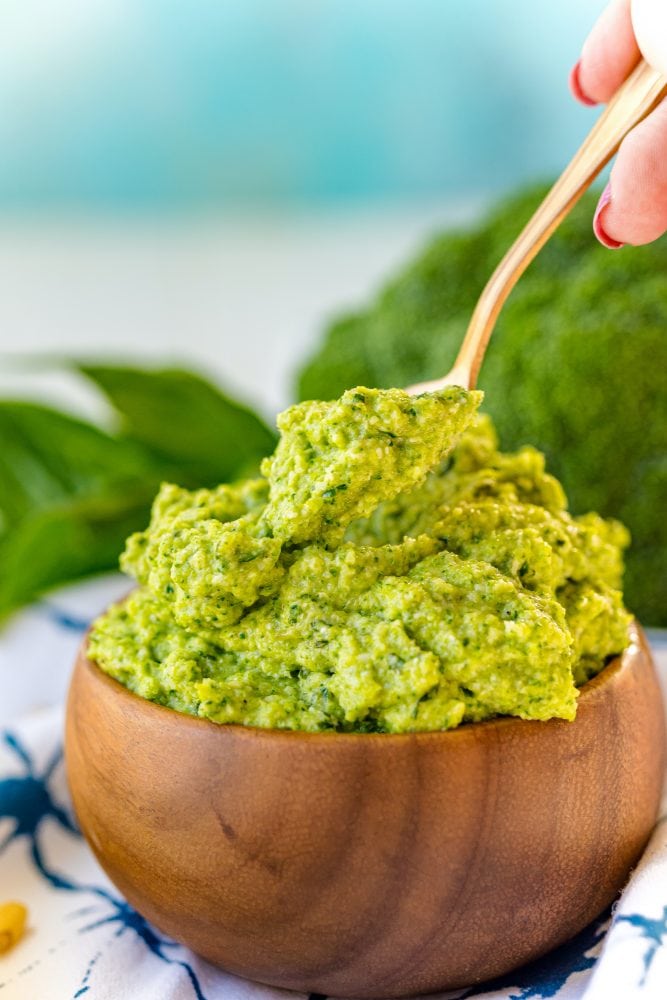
(576,365)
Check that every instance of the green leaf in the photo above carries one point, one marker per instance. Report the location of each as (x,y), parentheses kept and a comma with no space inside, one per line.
(47,456)
(189,425)
(70,493)
(59,544)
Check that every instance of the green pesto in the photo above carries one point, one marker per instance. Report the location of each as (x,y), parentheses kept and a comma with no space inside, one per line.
(337,461)
(392,572)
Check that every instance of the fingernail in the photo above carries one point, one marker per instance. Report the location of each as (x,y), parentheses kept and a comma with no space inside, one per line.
(576,88)
(605,240)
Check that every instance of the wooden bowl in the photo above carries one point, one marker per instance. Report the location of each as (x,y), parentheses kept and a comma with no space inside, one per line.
(369,865)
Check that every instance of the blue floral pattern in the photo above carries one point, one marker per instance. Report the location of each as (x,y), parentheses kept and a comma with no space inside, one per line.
(652,931)
(26,801)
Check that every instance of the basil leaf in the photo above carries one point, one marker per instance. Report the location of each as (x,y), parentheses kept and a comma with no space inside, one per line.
(191,426)
(70,492)
(58,544)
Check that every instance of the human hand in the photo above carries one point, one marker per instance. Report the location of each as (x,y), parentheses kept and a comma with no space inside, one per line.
(633,206)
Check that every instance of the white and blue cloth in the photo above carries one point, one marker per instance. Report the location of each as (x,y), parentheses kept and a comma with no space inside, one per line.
(84,940)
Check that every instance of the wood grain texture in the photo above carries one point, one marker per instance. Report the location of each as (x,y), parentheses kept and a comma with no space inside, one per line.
(369,865)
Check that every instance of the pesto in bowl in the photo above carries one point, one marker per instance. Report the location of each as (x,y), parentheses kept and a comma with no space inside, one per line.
(391,571)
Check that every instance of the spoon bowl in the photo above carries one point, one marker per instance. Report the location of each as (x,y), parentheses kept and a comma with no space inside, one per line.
(369,865)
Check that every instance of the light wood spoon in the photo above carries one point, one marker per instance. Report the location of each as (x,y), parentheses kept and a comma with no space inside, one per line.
(634,100)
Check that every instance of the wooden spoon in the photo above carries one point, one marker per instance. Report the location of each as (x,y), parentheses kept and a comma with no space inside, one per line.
(634,100)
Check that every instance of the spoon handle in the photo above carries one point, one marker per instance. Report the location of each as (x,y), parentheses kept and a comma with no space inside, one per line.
(634,100)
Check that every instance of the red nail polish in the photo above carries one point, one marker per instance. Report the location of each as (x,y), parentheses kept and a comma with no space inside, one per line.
(605,240)
(576,88)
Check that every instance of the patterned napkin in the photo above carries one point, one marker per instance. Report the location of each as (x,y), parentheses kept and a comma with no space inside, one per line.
(84,940)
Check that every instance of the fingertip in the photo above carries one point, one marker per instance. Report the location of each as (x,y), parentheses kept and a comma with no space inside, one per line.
(599,223)
(609,53)
(633,210)
(576,89)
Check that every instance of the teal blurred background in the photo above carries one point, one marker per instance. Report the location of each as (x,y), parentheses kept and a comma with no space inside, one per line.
(163,105)
(209,182)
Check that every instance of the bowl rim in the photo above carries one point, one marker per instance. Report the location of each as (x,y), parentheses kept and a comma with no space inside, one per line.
(616,668)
